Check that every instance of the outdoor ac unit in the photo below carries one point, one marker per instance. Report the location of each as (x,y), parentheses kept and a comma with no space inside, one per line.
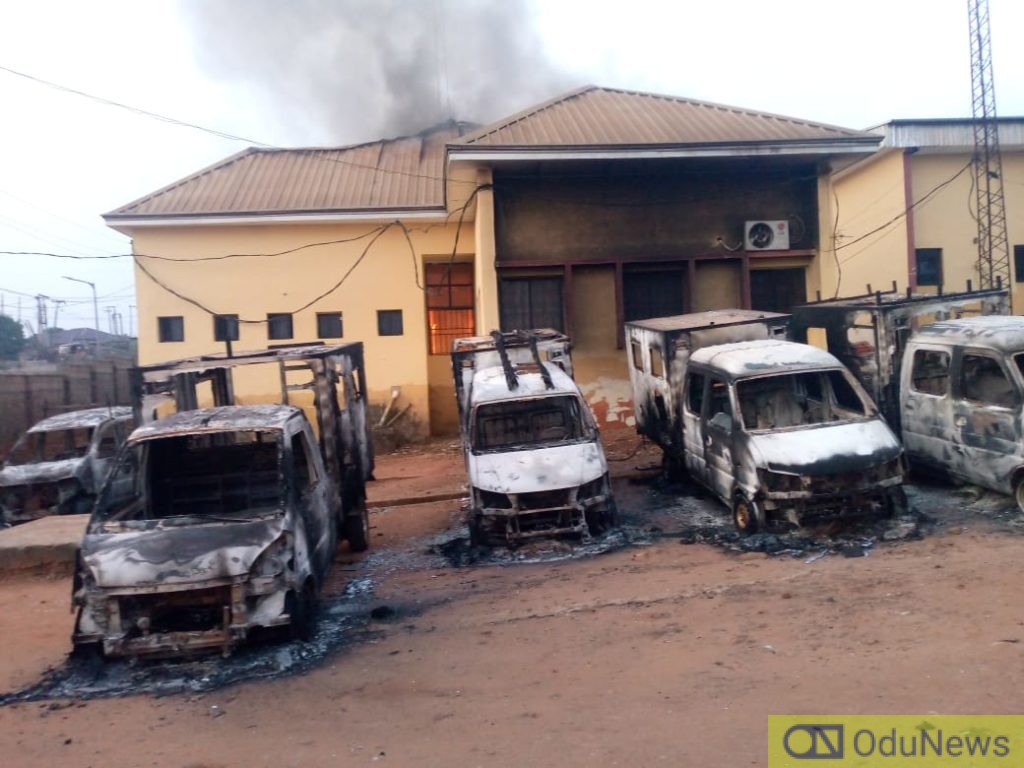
(766,235)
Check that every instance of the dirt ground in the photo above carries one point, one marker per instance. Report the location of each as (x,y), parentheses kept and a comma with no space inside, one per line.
(653,653)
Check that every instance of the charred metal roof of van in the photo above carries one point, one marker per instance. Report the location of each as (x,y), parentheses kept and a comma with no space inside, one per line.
(1001,332)
(220,419)
(490,384)
(91,417)
(755,358)
(710,319)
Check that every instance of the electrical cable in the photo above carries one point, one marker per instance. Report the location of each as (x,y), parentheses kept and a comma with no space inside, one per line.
(224,134)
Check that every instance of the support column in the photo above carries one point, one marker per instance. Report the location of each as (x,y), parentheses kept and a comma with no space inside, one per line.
(487,317)
(822,274)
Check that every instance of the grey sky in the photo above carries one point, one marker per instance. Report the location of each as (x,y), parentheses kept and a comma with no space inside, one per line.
(65,159)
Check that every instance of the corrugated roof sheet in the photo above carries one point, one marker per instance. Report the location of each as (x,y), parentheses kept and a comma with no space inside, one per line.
(393,174)
(608,117)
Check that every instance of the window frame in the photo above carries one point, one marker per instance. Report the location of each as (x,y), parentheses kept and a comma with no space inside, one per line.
(448,318)
(927,252)
(949,371)
(324,316)
(987,355)
(382,313)
(174,321)
(273,317)
(218,320)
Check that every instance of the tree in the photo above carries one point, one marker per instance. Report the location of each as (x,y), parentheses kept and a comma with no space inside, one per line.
(12,338)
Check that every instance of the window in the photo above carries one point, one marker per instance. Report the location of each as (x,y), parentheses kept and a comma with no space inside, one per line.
(718,399)
(530,302)
(657,364)
(798,399)
(982,380)
(450,308)
(328,325)
(1018,263)
(929,266)
(637,353)
(305,468)
(695,393)
(930,372)
(655,293)
(389,322)
(555,419)
(170,328)
(225,327)
(279,325)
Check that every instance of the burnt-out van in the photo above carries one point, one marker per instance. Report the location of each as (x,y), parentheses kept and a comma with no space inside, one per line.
(961,399)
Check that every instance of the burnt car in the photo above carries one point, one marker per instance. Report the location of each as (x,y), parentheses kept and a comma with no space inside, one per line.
(782,430)
(57,466)
(214,524)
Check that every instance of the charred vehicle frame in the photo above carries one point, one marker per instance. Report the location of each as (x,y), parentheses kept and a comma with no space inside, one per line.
(241,513)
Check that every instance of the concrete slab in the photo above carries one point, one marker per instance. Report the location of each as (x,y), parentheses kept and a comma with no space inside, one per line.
(48,544)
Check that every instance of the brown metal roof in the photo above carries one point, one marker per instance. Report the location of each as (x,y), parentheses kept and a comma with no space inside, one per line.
(393,174)
(608,117)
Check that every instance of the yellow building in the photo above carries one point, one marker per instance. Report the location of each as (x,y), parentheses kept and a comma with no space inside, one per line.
(906,214)
(594,208)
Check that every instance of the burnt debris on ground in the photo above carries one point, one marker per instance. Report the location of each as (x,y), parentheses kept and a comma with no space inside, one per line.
(343,620)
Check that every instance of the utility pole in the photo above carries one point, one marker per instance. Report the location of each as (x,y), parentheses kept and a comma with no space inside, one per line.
(110,320)
(993,246)
(95,306)
(41,319)
(131,320)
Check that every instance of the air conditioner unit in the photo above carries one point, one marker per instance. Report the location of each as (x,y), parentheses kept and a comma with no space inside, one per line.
(766,235)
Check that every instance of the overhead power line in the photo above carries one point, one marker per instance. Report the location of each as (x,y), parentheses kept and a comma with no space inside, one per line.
(214,131)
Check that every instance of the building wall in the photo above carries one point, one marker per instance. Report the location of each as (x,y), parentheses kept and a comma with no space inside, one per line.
(253,287)
(945,220)
(867,196)
(878,190)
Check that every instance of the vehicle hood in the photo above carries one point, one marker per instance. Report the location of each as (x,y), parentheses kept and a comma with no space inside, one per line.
(827,449)
(42,472)
(538,469)
(180,555)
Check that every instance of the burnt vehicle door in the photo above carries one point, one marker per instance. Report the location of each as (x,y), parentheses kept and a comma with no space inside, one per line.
(108,440)
(310,490)
(929,434)
(718,427)
(694,396)
(986,412)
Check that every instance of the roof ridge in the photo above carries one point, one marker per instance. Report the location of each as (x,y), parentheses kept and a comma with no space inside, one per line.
(518,117)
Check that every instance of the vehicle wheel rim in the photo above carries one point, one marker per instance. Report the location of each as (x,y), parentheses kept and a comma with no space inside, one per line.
(742,514)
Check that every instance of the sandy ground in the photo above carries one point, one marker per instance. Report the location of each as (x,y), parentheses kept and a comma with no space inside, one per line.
(647,655)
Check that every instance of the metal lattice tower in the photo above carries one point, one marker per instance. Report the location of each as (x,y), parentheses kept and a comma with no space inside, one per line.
(993,246)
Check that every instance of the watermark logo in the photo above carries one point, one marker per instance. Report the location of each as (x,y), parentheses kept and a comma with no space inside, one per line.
(814,741)
(895,741)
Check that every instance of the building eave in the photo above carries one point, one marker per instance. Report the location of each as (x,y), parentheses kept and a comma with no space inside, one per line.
(852,145)
(125,223)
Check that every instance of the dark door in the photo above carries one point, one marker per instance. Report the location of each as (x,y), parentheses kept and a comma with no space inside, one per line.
(653,293)
(777,290)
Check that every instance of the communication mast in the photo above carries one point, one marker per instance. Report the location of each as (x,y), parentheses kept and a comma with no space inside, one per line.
(993,246)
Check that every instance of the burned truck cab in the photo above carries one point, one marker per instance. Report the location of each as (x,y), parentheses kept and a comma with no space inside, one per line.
(534,457)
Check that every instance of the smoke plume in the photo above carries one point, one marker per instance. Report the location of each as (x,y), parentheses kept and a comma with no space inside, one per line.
(340,71)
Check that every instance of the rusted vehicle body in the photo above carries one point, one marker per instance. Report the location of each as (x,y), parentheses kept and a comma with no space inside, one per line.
(57,467)
(869,333)
(214,524)
(534,457)
(222,522)
(659,350)
(779,430)
(961,396)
